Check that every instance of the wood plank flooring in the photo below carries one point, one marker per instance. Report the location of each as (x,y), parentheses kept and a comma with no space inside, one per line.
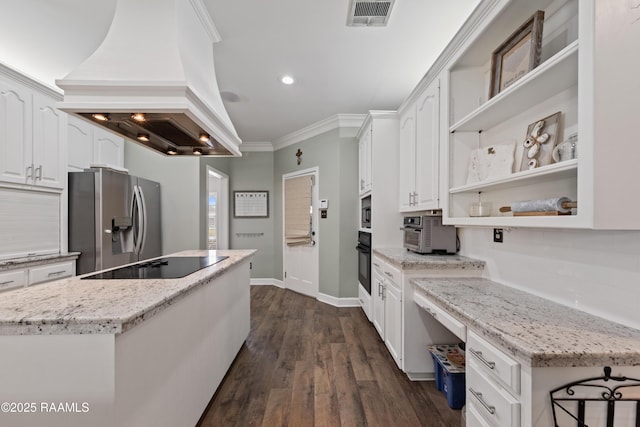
(307,363)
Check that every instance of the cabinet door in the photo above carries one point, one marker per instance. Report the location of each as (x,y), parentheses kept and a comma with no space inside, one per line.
(377,294)
(49,142)
(393,322)
(108,148)
(364,155)
(80,144)
(407,160)
(15,134)
(13,279)
(427,148)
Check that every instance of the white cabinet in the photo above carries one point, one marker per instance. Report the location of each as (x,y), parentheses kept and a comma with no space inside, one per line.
(364,157)
(13,279)
(419,151)
(32,137)
(89,144)
(387,307)
(378,137)
(581,40)
(36,274)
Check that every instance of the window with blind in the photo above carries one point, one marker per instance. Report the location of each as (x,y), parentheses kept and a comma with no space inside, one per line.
(298,210)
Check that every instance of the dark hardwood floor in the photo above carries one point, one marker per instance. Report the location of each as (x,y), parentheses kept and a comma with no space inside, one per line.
(306,363)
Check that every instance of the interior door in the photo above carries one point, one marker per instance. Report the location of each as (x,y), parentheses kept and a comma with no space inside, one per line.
(301,255)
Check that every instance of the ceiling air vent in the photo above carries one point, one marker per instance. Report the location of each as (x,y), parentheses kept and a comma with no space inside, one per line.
(369,13)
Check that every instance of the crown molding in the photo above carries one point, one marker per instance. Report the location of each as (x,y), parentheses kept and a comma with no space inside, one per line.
(339,121)
(256,146)
(30,82)
(205,18)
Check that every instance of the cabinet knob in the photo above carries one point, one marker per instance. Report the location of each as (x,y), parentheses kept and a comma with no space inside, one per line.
(38,173)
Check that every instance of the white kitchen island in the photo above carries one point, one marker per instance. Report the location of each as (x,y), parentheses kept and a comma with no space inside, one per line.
(122,352)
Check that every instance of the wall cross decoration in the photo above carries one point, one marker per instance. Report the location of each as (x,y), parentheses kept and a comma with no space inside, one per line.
(299,156)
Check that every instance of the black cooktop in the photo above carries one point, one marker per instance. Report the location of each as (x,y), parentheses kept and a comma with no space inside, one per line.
(162,268)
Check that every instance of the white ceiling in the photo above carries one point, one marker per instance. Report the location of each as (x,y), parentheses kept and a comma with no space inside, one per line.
(338,69)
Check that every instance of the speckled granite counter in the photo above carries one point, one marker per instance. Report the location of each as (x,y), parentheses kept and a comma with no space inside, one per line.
(74,306)
(30,261)
(534,330)
(406,260)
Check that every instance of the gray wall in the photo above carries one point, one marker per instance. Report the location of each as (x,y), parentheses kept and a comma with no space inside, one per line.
(337,160)
(254,172)
(184,203)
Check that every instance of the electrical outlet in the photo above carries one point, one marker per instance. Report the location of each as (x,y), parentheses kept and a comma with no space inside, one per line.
(498,235)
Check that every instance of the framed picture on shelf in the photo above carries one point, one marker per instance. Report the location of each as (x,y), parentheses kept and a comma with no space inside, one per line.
(518,55)
(539,142)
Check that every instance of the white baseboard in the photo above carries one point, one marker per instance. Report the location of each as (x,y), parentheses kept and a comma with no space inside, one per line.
(267,282)
(338,302)
(327,299)
(421,376)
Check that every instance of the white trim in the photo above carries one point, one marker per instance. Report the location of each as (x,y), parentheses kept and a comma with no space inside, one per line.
(247,146)
(223,207)
(267,282)
(31,82)
(318,128)
(338,302)
(420,376)
(205,18)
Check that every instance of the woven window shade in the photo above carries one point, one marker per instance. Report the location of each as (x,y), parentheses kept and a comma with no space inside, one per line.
(297,210)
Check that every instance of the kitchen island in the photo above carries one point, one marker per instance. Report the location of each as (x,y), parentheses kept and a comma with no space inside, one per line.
(125,352)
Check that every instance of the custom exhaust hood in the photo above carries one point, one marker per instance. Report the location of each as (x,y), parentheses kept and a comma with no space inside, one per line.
(153,80)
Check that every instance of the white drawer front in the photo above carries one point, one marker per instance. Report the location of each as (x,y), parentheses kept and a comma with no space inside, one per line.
(13,279)
(451,323)
(491,400)
(494,362)
(474,419)
(391,273)
(50,272)
(376,264)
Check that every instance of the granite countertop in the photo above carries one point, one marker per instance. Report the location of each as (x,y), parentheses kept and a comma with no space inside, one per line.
(75,306)
(29,261)
(534,330)
(407,260)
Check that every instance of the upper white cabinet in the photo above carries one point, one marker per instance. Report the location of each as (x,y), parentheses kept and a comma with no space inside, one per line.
(419,151)
(89,145)
(32,136)
(364,156)
(378,139)
(581,40)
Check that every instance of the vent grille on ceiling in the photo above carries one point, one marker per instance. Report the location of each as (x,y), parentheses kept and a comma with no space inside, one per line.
(369,13)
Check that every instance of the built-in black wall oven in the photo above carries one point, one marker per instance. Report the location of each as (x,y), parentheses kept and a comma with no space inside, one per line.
(364,260)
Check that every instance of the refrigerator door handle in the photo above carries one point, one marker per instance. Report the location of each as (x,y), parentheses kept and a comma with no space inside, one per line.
(143,233)
(137,206)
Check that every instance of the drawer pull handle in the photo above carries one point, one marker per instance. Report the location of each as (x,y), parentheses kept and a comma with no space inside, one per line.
(431,312)
(376,264)
(477,395)
(388,274)
(55,273)
(478,354)
(6,283)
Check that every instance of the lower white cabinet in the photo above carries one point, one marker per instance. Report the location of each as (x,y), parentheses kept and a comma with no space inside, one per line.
(34,275)
(387,307)
(13,279)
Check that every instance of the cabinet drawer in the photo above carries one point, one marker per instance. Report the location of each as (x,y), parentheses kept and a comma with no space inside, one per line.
(490,399)
(474,419)
(454,325)
(13,279)
(391,273)
(494,362)
(376,264)
(50,272)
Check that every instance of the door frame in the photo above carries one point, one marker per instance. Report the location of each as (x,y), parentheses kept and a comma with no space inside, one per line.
(223,207)
(315,201)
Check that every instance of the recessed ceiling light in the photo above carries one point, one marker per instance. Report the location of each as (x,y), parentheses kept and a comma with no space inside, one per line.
(101,117)
(197,151)
(144,137)
(138,117)
(287,80)
(204,137)
(172,151)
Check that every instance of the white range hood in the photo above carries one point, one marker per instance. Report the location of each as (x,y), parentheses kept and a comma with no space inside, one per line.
(156,60)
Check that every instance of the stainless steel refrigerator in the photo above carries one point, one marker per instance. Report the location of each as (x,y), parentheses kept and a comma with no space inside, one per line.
(114,218)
